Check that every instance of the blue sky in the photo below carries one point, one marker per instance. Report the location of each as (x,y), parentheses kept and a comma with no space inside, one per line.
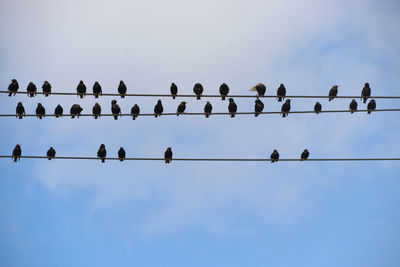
(84,213)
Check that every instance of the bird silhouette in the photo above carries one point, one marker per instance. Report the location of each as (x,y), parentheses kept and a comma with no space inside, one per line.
(46,87)
(371,106)
(97,89)
(174,90)
(121,154)
(181,108)
(333,92)
(31,89)
(51,153)
(96,110)
(135,111)
(274,156)
(58,111)
(285,108)
(281,92)
(158,109)
(304,155)
(353,106)
(122,89)
(81,89)
(115,109)
(208,109)
(40,111)
(168,155)
(20,110)
(232,107)
(258,107)
(17,153)
(102,153)
(260,89)
(317,107)
(198,90)
(13,87)
(75,110)
(365,92)
(224,90)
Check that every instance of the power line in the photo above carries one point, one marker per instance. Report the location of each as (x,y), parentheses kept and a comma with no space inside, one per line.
(196,114)
(211,159)
(205,96)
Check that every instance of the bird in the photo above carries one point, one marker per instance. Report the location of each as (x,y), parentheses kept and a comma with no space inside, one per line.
(101,153)
(224,90)
(317,107)
(281,92)
(371,106)
(232,107)
(274,156)
(13,87)
(333,92)
(353,106)
(174,90)
(31,89)
(51,153)
(135,111)
(208,109)
(17,153)
(40,111)
(366,92)
(158,109)
(285,108)
(181,108)
(81,89)
(97,89)
(96,110)
(121,153)
(258,107)
(122,89)
(46,88)
(115,109)
(75,110)
(58,111)
(304,155)
(168,155)
(260,88)
(20,110)
(198,90)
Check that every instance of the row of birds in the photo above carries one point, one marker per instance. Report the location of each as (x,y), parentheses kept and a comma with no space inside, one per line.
(76,109)
(197,89)
(102,153)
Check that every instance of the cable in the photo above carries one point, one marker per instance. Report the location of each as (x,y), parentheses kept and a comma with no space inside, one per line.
(213,159)
(195,114)
(205,96)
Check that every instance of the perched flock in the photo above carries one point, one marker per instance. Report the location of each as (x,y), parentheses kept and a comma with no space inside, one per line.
(260,88)
(102,153)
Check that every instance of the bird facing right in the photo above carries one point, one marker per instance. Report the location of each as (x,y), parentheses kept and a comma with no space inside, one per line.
(260,89)
(75,110)
(333,92)
(13,87)
(304,155)
(274,156)
(285,108)
(168,155)
(258,107)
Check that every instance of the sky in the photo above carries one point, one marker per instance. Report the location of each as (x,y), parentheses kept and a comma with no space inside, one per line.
(85,213)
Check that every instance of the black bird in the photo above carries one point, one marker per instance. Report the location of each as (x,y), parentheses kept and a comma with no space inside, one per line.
(198,90)
(97,89)
(285,108)
(281,92)
(122,89)
(40,111)
(208,109)
(31,89)
(371,106)
(168,155)
(333,92)
(96,110)
(174,90)
(81,89)
(274,156)
(20,110)
(224,90)
(13,87)
(17,153)
(115,109)
(58,111)
(181,108)
(258,107)
(304,155)
(46,88)
(75,111)
(317,107)
(158,109)
(121,154)
(232,107)
(102,153)
(135,111)
(366,92)
(260,88)
(353,106)
(51,153)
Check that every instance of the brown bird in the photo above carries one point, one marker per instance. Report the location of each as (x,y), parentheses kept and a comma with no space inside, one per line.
(181,108)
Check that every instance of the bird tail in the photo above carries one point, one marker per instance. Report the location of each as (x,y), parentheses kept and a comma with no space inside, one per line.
(96,96)
(115,117)
(351,111)
(46,95)
(95,117)
(256,114)
(365,100)
(49,158)
(72,117)
(121,159)
(223,98)
(283,115)
(10,94)
(330,99)
(198,97)
(103,160)
(81,96)
(40,117)
(173,97)
(15,159)
(369,111)
(133,117)
(20,117)
(31,95)
(167,161)
(122,96)
(279,99)
(155,115)
(207,115)
(232,115)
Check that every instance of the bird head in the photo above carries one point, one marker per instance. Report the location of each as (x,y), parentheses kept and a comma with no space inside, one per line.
(113,102)
(231,100)
(159,102)
(102,146)
(183,103)
(288,101)
(121,82)
(14,80)
(366,84)
(275,151)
